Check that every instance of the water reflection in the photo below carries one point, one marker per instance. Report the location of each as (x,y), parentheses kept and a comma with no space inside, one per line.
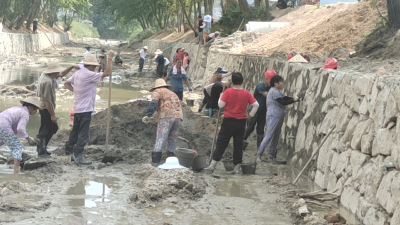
(231,189)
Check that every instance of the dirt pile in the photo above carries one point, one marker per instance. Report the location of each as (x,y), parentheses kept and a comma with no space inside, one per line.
(15,187)
(17,90)
(156,184)
(312,30)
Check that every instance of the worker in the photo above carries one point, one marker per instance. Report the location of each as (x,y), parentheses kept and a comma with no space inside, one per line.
(118,59)
(260,94)
(200,19)
(206,27)
(13,125)
(212,36)
(142,56)
(282,4)
(219,72)
(35,24)
(234,101)
(83,83)
(177,74)
(47,84)
(102,61)
(166,65)
(169,119)
(276,102)
(160,63)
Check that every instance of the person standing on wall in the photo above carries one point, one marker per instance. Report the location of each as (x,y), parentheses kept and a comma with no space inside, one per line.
(177,74)
(83,83)
(47,85)
(200,19)
(260,94)
(276,103)
(234,101)
(102,61)
(35,25)
(160,63)
(206,27)
(169,119)
(13,125)
(142,56)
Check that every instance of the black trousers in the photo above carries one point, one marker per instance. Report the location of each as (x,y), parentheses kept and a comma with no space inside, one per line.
(141,63)
(179,94)
(79,135)
(47,127)
(259,120)
(235,128)
(160,71)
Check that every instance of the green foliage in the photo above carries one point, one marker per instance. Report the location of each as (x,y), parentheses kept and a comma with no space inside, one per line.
(79,30)
(232,19)
(141,36)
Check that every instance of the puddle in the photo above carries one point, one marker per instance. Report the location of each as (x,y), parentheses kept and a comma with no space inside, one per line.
(6,174)
(231,189)
(93,192)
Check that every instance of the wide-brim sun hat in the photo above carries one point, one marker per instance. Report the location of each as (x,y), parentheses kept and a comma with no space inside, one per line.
(145,47)
(171,163)
(53,67)
(32,100)
(158,52)
(90,60)
(160,83)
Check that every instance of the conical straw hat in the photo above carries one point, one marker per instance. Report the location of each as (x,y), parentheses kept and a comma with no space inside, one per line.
(90,60)
(160,83)
(32,100)
(298,59)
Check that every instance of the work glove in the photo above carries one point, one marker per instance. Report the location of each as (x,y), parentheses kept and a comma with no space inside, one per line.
(190,90)
(31,141)
(146,120)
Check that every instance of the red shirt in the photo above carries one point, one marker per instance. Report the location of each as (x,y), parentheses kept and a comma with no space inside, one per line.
(179,55)
(236,103)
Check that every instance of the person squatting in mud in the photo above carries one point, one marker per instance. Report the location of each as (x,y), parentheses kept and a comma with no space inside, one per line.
(177,74)
(260,94)
(169,119)
(13,125)
(276,103)
(234,101)
(83,84)
(47,84)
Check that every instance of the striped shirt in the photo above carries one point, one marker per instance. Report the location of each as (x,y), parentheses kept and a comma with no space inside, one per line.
(85,84)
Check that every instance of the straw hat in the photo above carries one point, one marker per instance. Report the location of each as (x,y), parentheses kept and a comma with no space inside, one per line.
(90,60)
(158,52)
(298,59)
(32,100)
(160,83)
(145,47)
(53,67)
(171,163)
(36,19)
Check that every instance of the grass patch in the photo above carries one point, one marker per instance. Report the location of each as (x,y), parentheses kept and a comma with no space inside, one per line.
(79,30)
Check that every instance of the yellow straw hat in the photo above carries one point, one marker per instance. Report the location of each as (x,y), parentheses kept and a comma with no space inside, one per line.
(160,83)
(53,67)
(90,60)
(32,100)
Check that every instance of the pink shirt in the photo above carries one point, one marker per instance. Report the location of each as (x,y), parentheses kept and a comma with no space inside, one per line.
(14,120)
(85,84)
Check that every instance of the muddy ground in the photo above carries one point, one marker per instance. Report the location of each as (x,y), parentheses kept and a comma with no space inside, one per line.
(121,187)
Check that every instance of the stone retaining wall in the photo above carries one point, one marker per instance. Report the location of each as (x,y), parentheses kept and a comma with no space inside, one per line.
(17,44)
(365,109)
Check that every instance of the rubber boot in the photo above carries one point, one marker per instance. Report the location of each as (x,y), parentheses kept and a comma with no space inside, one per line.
(41,148)
(79,157)
(236,170)
(170,154)
(69,150)
(258,157)
(201,107)
(212,166)
(156,158)
(260,138)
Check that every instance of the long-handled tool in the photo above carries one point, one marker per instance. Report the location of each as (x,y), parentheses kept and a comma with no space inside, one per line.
(215,136)
(50,41)
(314,154)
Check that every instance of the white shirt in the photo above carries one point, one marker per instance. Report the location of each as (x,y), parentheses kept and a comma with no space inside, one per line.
(142,54)
(166,62)
(86,53)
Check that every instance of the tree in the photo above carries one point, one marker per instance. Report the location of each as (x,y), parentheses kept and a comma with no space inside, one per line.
(244,6)
(393,13)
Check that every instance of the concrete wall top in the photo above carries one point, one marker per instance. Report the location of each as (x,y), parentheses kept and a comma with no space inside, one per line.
(326,2)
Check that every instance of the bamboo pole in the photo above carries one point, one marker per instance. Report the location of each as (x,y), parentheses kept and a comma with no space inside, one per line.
(215,135)
(314,154)
(108,111)
(50,41)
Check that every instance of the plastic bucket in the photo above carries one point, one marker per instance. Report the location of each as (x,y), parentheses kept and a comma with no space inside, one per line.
(200,162)
(249,168)
(228,164)
(185,156)
(190,102)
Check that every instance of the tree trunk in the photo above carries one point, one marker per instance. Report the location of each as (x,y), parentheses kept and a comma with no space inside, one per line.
(208,7)
(187,18)
(199,8)
(257,3)
(267,5)
(244,6)
(394,13)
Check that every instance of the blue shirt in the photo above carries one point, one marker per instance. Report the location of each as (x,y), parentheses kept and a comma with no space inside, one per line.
(261,88)
(274,107)
(177,80)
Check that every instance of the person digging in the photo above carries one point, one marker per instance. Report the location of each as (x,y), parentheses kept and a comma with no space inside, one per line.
(83,83)
(169,119)
(234,101)
(47,84)
(13,125)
